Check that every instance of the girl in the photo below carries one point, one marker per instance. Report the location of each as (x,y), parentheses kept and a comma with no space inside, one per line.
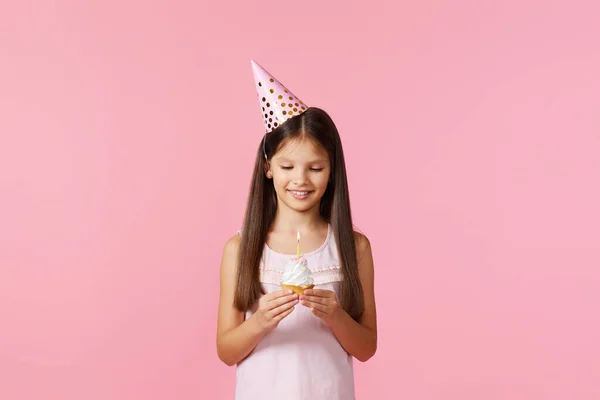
(288,346)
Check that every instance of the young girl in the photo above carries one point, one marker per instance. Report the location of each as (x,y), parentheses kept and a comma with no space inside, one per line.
(288,346)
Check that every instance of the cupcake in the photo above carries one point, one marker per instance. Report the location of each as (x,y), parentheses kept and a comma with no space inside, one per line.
(297,276)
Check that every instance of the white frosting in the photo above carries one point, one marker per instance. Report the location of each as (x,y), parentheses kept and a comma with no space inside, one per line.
(297,273)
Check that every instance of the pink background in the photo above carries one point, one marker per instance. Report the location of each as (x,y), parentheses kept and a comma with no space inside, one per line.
(472,137)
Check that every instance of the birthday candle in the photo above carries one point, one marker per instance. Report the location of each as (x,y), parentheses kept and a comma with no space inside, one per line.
(298,245)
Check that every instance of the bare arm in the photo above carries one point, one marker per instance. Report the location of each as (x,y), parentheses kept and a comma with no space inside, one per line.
(237,338)
(358,338)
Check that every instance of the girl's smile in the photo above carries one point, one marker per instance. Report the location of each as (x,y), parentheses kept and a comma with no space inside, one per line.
(300,195)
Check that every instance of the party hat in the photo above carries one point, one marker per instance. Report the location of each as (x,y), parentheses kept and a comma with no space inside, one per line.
(278,103)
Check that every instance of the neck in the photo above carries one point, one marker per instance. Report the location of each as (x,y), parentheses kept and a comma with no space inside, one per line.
(290,220)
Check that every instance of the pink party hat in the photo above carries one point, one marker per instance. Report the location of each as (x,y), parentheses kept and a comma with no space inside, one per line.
(278,103)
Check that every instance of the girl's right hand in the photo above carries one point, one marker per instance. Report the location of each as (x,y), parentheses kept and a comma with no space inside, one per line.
(273,307)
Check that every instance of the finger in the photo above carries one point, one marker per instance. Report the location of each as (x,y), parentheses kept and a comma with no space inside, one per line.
(283,314)
(284,307)
(315,299)
(316,306)
(318,313)
(281,300)
(318,292)
(275,295)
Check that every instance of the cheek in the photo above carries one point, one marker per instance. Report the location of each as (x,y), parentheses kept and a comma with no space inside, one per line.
(322,180)
(280,179)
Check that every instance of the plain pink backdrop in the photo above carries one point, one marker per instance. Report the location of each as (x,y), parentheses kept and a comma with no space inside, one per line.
(472,137)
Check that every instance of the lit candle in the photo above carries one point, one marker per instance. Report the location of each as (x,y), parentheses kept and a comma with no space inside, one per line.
(298,245)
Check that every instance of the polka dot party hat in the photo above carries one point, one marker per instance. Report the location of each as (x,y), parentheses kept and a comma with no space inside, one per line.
(278,103)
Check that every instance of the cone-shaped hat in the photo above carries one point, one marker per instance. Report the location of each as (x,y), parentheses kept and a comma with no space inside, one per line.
(277,103)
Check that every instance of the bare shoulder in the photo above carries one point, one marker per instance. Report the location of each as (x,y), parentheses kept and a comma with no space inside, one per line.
(364,257)
(232,245)
(230,253)
(363,245)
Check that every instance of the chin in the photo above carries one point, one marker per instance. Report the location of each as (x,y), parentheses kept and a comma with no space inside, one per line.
(303,207)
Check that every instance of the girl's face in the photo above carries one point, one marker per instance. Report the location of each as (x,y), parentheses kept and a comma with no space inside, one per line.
(300,172)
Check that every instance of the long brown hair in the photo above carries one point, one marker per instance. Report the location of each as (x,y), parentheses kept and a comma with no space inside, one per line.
(316,125)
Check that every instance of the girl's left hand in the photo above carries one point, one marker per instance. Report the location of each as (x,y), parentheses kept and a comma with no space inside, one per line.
(323,304)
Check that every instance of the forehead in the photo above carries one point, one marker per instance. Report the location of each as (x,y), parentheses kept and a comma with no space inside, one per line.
(301,149)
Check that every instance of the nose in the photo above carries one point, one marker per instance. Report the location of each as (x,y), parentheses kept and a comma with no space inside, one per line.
(300,176)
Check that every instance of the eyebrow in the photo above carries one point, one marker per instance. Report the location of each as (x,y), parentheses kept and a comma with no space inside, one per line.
(283,159)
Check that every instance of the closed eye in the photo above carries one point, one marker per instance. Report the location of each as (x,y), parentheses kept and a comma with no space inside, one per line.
(312,169)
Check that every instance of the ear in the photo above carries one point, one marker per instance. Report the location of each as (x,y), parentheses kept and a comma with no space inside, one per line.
(267,167)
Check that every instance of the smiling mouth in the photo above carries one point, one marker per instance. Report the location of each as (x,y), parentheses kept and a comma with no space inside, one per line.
(300,194)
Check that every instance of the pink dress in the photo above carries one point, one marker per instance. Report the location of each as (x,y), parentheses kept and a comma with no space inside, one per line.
(301,358)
